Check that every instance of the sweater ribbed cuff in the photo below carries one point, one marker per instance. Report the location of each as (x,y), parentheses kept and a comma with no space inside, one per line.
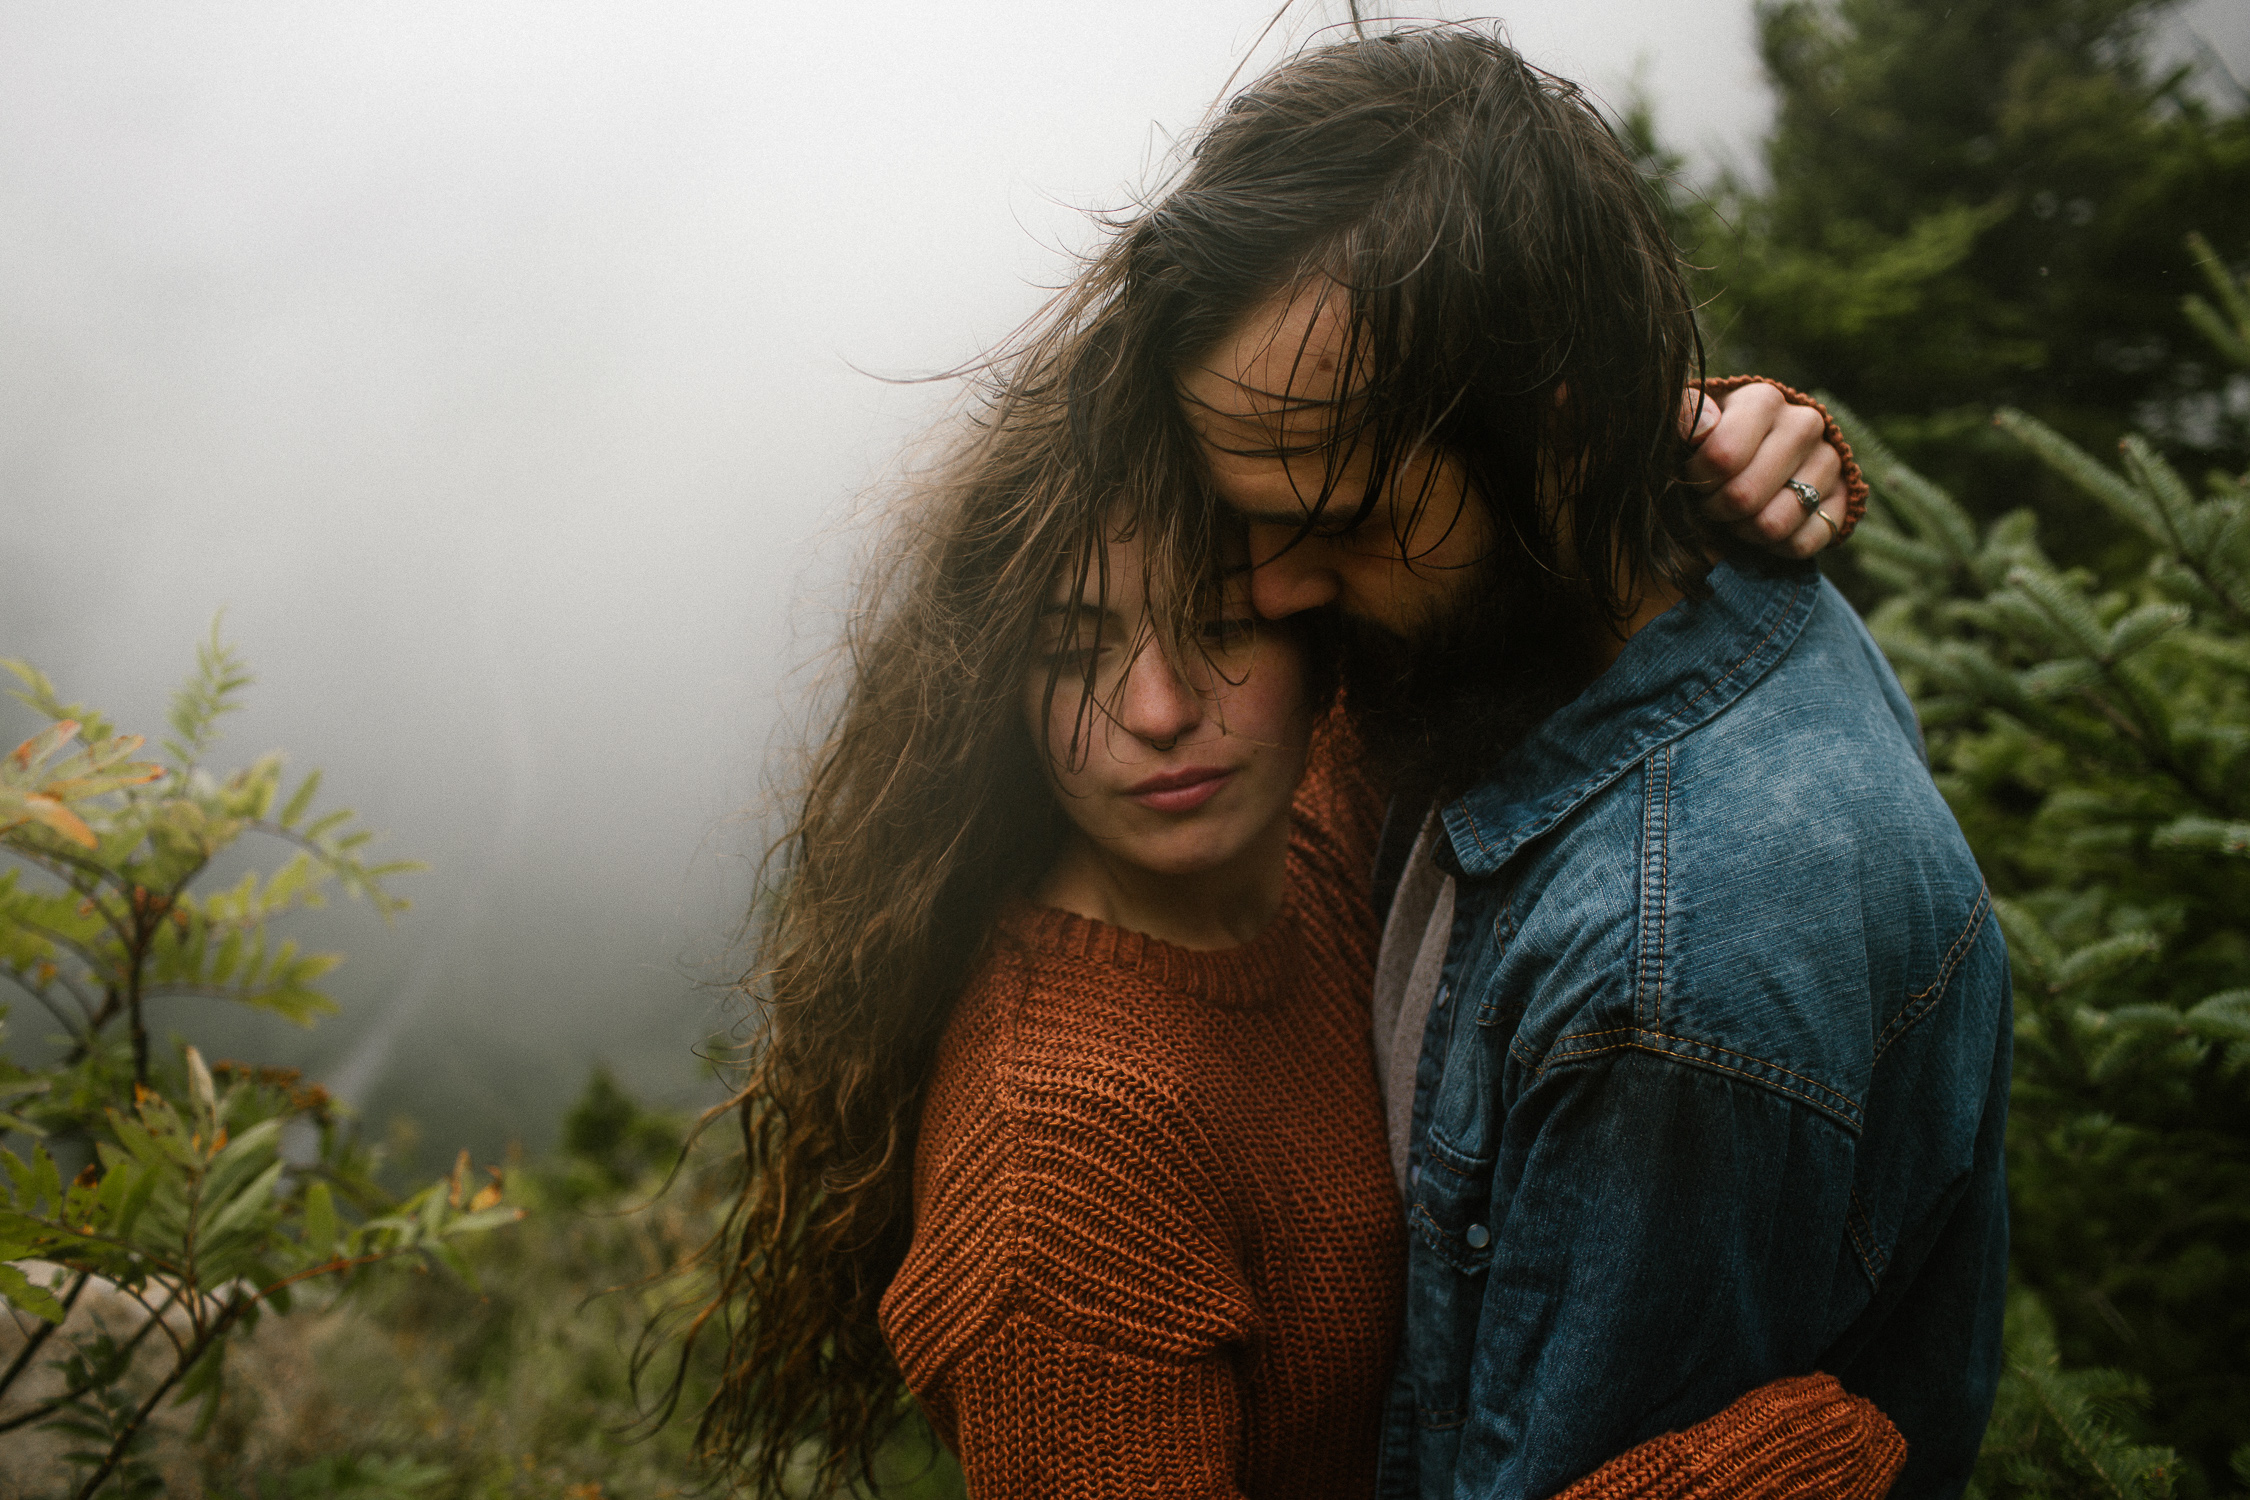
(1796,1438)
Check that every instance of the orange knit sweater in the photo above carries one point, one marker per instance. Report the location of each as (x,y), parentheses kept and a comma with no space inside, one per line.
(1157,1247)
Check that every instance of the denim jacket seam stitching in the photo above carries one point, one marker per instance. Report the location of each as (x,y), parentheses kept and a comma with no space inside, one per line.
(1474,832)
(1872,1261)
(1782,618)
(1847,1110)
(1923,1001)
(1439,1161)
(1674,716)
(1664,889)
(1648,815)
(1652,923)
(1693,1042)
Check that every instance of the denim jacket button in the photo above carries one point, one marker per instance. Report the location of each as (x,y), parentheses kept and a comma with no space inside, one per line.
(1443,991)
(1478,1236)
(1414,1174)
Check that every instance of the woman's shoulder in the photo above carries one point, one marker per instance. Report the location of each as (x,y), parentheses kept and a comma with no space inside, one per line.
(1048,1027)
(1062,1175)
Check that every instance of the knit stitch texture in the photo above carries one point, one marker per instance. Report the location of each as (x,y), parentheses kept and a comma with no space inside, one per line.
(1800,1437)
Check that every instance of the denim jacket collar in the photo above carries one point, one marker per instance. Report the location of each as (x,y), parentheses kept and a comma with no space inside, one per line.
(1681,670)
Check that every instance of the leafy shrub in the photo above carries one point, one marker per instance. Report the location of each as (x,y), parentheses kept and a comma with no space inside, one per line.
(165,1189)
(520,1382)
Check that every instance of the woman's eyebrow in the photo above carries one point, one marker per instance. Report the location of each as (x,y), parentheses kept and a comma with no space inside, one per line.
(1274,403)
(1076,607)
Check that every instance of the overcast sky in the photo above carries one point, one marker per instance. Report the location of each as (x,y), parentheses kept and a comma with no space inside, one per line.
(500,366)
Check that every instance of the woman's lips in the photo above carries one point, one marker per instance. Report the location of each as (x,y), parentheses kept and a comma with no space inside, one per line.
(1180,791)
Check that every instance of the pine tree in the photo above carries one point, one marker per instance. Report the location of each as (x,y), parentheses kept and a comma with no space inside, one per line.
(2091,729)
(1977,203)
(2057,1432)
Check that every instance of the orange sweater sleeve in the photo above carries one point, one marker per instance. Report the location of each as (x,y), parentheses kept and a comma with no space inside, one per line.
(1800,1439)
(1042,1415)
(1068,1313)
(1855,483)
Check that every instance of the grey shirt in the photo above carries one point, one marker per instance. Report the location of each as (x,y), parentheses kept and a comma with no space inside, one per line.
(1415,935)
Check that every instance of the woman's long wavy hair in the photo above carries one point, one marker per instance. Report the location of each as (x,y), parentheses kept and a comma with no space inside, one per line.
(1496,247)
(925,807)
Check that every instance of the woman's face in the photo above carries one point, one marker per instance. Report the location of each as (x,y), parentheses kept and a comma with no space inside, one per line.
(1177,767)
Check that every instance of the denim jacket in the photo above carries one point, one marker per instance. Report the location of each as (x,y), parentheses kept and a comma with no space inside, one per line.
(1714,1085)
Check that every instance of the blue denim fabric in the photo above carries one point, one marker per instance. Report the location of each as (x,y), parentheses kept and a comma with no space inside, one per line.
(1714,1087)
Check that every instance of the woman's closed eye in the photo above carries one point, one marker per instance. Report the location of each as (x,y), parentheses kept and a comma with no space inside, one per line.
(1070,654)
(1073,644)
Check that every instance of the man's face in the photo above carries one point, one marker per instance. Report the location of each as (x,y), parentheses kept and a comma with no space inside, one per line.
(1264,406)
(1452,648)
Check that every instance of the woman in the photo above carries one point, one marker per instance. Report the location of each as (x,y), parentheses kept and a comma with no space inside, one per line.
(1062,1112)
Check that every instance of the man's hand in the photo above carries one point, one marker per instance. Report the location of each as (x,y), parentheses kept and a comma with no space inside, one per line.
(1749,443)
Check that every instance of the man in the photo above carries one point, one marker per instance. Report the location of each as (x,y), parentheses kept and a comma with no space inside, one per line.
(1696,1080)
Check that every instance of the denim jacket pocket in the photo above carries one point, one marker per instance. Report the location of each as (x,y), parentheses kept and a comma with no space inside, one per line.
(1448,1252)
(1450,1198)
(1452,1205)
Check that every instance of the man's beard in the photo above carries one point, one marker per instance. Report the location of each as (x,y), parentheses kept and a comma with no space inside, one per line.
(1437,710)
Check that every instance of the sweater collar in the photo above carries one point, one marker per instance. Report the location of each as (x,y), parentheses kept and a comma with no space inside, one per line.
(1243,978)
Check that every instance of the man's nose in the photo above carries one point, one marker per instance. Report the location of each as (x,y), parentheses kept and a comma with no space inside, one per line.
(1289,572)
(1157,704)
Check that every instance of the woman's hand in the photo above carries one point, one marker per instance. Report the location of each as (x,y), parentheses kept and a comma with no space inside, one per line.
(1749,444)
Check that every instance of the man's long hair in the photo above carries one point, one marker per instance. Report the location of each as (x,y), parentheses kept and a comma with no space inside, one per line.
(1496,249)
(1513,300)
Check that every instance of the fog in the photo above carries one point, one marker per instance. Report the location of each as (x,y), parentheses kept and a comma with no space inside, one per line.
(506,372)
